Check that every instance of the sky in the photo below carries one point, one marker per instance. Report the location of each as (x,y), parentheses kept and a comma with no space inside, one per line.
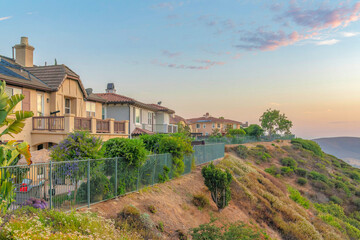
(230,58)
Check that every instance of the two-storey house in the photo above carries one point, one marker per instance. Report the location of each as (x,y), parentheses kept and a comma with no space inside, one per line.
(58,99)
(208,124)
(143,118)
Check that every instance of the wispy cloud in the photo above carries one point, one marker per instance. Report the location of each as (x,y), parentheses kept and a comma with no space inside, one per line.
(203,64)
(171,54)
(323,17)
(327,42)
(349,34)
(5,18)
(168,5)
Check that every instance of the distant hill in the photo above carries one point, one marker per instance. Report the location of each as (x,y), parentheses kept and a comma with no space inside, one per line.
(346,148)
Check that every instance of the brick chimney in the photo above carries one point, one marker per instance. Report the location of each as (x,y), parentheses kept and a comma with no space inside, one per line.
(24,53)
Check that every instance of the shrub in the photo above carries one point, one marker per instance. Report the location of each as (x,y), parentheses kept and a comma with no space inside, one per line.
(151,142)
(301,172)
(286,171)
(165,175)
(273,170)
(308,145)
(319,185)
(152,209)
(132,151)
(100,189)
(160,226)
(289,162)
(236,132)
(218,182)
(301,181)
(35,203)
(242,151)
(296,197)
(200,200)
(177,146)
(254,130)
(318,176)
(336,200)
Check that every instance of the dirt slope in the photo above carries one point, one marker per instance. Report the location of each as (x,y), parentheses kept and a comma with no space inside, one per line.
(172,200)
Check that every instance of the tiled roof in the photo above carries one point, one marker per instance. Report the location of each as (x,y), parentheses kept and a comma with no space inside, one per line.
(95,98)
(16,75)
(176,119)
(211,119)
(162,108)
(140,131)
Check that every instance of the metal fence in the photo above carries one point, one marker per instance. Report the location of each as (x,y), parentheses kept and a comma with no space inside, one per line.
(80,183)
(242,139)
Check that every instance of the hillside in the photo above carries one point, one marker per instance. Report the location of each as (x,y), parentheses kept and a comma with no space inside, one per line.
(346,148)
(264,196)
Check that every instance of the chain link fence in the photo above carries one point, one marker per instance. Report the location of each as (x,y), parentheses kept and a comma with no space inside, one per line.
(80,183)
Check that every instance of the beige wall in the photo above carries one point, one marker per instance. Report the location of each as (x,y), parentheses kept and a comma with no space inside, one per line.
(209,127)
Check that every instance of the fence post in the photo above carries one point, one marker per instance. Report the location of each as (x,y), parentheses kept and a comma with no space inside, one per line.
(154,168)
(88,182)
(116,176)
(137,182)
(50,183)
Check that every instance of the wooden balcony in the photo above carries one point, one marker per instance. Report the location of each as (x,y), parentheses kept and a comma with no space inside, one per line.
(49,123)
(82,124)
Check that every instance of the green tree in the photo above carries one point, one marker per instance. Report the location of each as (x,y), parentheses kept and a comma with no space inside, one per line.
(184,129)
(218,182)
(12,123)
(236,132)
(273,121)
(254,130)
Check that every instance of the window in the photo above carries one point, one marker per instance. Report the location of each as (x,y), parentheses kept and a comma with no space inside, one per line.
(204,125)
(13,91)
(197,125)
(137,115)
(234,126)
(40,172)
(103,112)
(40,104)
(206,134)
(90,109)
(213,125)
(150,118)
(67,106)
(218,125)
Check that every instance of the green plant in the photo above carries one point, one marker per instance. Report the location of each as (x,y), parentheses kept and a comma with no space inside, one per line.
(160,226)
(254,130)
(165,175)
(318,176)
(242,151)
(236,132)
(296,197)
(301,181)
(151,142)
(336,199)
(100,189)
(152,209)
(200,200)
(289,162)
(218,182)
(286,171)
(273,170)
(301,172)
(308,145)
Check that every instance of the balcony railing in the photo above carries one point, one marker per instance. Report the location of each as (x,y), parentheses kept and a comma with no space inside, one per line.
(48,123)
(102,126)
(165,128)
(82,123)
(119,126)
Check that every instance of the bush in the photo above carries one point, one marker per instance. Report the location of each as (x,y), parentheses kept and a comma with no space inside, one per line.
(100,189)
(132,151)
(151,142)
(35,203)
(273,170)
(286,171)
(200,200)
(336,200)
(165,175)
(254,130)
(177,146)
(301,181)
(296,197)
(218,182)
(237,230)
(242,151)
(301,172)
(152,209)
(236,132)
(289,162)
(308,145)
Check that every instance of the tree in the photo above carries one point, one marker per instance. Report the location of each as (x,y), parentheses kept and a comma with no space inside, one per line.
(236,132)
(12,123)
(215,132)
(254,130)
(184,128)
(218,182)
(273,121)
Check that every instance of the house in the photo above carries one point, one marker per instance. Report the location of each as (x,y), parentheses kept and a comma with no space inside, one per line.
(143,118)
(56,95)
(208,124)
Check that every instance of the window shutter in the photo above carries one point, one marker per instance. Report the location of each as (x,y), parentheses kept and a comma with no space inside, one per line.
(26,101)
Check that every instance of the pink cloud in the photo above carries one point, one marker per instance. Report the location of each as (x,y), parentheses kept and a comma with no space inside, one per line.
(206,64)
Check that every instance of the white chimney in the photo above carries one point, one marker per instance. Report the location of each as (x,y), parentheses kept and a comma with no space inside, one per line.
(110,88)
(24,53)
